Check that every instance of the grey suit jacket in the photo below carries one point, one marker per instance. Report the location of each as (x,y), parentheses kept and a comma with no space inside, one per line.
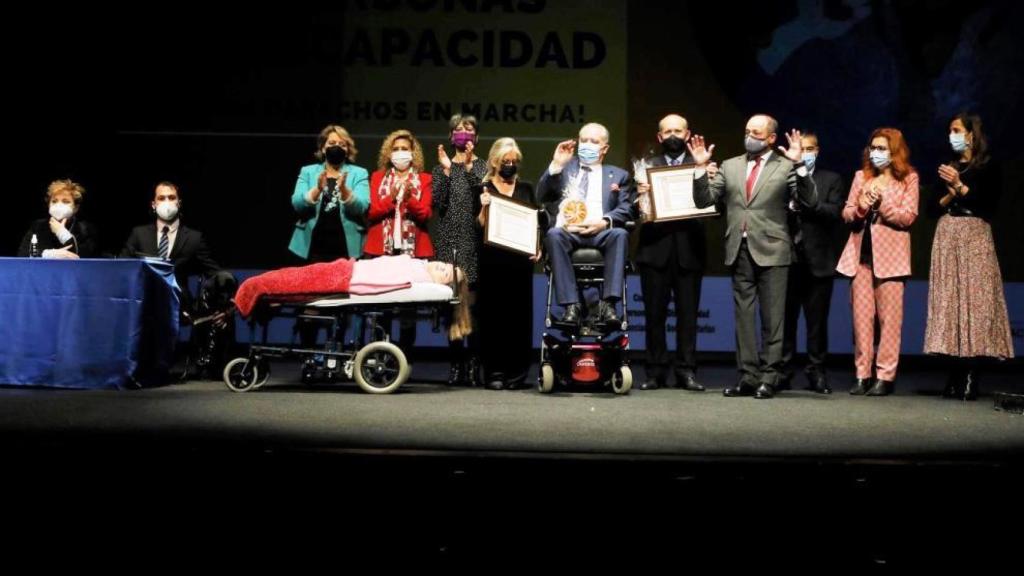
(765,218)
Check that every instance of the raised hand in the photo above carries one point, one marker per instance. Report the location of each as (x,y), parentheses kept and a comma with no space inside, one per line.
(443,159)
(701,155)
(564,152)
(796,146)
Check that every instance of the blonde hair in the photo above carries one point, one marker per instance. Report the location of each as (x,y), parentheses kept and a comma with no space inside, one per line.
(321,141)
(462,321)
(384,158)
(499,149)
(60,186)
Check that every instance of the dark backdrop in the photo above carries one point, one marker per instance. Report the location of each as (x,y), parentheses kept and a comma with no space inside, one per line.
(227,103)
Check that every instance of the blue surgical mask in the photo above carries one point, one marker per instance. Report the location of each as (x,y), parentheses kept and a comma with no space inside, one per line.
(809,158)
(589,153)
(958,141)
(754,145)
(880,158)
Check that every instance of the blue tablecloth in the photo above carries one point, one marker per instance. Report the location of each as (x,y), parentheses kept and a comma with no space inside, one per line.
(87,323)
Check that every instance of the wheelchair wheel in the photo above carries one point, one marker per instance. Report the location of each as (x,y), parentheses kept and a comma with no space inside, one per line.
(622,380)
(380,368)
(263,370)
(546,383)
(240,374)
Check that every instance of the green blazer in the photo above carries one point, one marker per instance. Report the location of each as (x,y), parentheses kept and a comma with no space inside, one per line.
(353,213)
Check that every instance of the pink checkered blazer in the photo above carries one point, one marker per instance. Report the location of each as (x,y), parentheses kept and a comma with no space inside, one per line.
(890,233)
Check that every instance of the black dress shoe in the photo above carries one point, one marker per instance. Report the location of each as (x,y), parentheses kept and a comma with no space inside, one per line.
(881,388)
(819,383)
(741,389)
(860,386)
(970,386)
(606,313)
(652,384)
(688,382)
(572,313)
(764,391)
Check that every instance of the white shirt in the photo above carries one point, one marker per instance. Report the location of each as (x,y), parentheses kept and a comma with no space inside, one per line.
(171,234)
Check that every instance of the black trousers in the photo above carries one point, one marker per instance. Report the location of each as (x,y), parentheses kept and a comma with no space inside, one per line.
(765,287)
(659,287)
(813,295)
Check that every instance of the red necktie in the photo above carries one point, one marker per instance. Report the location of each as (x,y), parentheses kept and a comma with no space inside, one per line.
(753,177)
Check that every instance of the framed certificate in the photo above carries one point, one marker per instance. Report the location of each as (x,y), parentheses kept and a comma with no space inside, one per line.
(672,194)
(512,225)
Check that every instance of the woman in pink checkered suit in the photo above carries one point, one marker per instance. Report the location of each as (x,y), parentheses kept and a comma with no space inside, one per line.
(880,209)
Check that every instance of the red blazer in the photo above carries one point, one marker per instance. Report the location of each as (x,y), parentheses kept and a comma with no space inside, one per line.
(890,233)
(416,211)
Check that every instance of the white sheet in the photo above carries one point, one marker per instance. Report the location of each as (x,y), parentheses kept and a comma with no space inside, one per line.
(419,292)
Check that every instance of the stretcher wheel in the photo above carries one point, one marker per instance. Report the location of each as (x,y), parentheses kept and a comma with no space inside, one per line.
(546,383)
(263,370)
(381,367)
(240,374)
(622,380)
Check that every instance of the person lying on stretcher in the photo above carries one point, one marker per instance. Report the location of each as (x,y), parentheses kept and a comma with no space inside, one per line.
(363,277)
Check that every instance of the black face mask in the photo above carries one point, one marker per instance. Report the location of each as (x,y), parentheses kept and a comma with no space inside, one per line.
(507,171)
(673,146)
(335,155)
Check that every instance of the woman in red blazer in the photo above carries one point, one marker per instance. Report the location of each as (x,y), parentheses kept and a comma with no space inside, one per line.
(399,200)
(881,207)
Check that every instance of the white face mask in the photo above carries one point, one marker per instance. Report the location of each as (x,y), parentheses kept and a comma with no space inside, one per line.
(167,211)
(401,159)
(61,211)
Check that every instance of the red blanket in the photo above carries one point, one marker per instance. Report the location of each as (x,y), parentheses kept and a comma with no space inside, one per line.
(300,282)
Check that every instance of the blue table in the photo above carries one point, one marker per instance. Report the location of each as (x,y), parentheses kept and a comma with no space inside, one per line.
(87,323)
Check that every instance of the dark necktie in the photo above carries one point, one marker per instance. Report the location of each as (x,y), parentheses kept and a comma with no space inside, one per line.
(163,249)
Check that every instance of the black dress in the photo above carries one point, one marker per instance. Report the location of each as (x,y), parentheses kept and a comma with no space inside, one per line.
(505,303)
(456,205)
(328,242)
(83,241)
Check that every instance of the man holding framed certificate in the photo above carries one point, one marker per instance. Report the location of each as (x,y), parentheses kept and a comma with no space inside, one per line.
(671,257)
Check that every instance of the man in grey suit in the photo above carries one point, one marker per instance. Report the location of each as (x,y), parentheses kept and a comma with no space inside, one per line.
(755,189)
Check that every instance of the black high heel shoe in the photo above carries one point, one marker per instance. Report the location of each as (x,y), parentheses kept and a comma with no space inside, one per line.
(954,385)
(881,388)
(860,386)
(456,375)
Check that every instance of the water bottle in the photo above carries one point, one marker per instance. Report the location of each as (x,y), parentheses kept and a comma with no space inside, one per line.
(33,251)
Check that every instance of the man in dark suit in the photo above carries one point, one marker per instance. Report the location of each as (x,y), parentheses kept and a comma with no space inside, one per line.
(811,274)
(603,197)
(184,247)
(671,258)
(755,189)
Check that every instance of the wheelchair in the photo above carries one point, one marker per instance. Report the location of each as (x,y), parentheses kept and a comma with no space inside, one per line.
(212,323)
(590,353)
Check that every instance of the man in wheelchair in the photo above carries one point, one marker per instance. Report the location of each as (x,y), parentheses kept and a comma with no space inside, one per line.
(590,203)
(209,314)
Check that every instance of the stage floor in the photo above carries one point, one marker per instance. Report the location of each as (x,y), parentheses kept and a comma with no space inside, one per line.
(427,417)
(474,479)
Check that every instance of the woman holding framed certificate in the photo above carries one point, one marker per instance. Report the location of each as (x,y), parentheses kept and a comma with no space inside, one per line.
(507,216)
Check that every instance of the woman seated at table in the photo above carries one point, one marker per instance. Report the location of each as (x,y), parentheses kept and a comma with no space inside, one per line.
(62,235)
(362,277)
